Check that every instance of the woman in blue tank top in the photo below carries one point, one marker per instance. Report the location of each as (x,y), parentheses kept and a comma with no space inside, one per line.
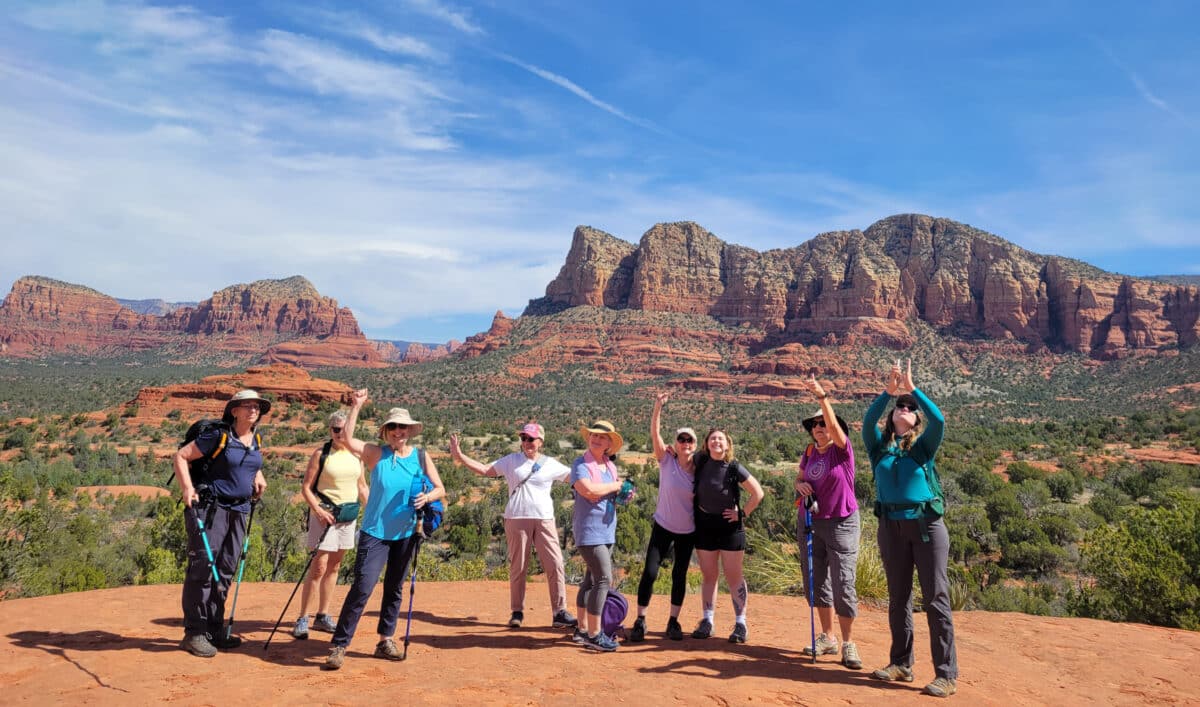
(403,481)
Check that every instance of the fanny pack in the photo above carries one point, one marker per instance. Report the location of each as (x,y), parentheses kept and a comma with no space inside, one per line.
(343,512)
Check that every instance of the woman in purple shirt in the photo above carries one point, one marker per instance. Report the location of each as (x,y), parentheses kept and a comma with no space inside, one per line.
(826,474)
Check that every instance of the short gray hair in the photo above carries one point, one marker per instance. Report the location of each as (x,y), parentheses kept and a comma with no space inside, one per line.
(338,418)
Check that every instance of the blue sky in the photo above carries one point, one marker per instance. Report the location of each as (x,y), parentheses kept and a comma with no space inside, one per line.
(425,161)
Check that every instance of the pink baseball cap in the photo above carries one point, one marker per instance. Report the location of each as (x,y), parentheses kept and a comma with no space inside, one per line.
(534,430)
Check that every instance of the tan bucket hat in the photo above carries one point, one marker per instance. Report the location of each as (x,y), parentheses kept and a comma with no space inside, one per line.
(400,416)
(264,405)
(604,427)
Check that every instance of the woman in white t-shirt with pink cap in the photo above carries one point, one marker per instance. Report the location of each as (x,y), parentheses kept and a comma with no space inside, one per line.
(528,519)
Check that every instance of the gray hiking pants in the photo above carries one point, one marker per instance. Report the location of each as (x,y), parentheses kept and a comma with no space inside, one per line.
(593,590)
(901,549)
(835,561)
(203,597)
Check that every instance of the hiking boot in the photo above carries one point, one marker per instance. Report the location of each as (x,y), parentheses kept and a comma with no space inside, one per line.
(941,687)
(300,630)
(893,673)
(739,633)
(564,619)
(601,643)
(224,643)
(638,634)
(850,657)
(337,656)
(516,619)
(826,645)
(674,630)
(703,630)
(198,645)
(579,637)
(388,650)
(324,623)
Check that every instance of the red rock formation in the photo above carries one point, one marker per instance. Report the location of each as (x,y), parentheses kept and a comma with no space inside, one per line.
(864,286)
(287,319)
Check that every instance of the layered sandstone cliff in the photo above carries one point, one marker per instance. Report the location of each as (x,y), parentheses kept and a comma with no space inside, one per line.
(863,286)
(270,320)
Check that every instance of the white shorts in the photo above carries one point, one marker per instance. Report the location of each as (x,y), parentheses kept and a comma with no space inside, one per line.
(340,537)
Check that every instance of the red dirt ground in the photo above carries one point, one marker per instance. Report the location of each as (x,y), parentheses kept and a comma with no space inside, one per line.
(120,646)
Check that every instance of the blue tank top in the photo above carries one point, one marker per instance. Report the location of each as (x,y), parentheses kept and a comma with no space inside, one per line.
(389,514)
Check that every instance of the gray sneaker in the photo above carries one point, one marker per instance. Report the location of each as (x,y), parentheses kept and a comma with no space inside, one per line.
(323,622)
(198,645)
(388,649)
(826,645)
(894,673)
(300,630)
(337,656)
(941,687)
(850,657)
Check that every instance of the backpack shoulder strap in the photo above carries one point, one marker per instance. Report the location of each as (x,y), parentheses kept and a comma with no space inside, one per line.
(325,451)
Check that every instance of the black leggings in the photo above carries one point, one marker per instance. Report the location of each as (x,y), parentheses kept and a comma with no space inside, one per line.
(661,541)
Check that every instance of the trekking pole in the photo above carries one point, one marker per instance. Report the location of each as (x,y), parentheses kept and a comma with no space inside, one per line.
(212,563)
(808,532)
(412,587)
(241,568)
(303,576)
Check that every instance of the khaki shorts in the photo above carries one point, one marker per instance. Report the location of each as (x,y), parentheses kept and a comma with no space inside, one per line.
(340,537)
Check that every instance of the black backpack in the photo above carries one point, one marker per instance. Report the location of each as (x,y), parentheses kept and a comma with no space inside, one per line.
(198,468)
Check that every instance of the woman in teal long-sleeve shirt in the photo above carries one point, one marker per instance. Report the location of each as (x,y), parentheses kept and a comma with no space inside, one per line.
(911,532)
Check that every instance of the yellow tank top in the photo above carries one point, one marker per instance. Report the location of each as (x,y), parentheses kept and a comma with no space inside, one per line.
(339,480)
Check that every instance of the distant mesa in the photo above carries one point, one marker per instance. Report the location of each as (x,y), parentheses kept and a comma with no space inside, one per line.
(413,351)
(284,321)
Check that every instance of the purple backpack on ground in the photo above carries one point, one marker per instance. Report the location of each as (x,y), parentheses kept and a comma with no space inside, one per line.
(612,617)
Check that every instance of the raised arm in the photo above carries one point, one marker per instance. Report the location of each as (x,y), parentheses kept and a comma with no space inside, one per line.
(935,425)
(457,455)
(872,437)
(836,434)
(660,448)
(369,453)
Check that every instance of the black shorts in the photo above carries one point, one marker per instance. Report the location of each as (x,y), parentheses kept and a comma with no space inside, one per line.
(715,532)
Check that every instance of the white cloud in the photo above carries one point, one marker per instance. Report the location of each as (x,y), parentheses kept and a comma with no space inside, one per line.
(451,16)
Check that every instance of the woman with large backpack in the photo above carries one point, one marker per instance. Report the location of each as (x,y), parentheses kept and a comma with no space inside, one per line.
(403,481)
(594,524)
(334,483)
(720,528)
(674,522)
(217,506)
(825,486)
(911,533)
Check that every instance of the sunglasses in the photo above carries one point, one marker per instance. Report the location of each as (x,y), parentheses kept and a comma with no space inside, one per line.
(819,423)
(336,430)
(394,426)
(685,439)
(906,406)
(527,438)
(251,404)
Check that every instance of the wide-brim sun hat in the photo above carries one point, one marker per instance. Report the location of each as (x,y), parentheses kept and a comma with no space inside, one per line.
(811,420)
(400,416)
(264,405)
(604,427)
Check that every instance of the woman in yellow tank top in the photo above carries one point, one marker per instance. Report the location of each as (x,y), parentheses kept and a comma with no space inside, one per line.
(340,480)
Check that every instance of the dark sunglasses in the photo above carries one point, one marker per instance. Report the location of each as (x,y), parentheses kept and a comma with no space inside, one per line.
(906,406)
(395,426)
(250,404)
(685,439)
(336,430)
(527,438)
(819,423)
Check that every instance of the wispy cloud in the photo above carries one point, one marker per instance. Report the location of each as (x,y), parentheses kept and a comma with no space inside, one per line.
(1139,83)
(354,25)
(451,16)
(579,91)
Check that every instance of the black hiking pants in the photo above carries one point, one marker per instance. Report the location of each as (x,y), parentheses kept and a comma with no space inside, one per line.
(204,598)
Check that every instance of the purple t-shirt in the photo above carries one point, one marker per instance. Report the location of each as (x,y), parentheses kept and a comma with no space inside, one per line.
(831,474)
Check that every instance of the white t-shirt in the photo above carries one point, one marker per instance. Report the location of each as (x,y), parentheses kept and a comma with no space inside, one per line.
(530,498)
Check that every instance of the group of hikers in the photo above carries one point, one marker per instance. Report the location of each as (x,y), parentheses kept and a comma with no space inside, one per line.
(705,498)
